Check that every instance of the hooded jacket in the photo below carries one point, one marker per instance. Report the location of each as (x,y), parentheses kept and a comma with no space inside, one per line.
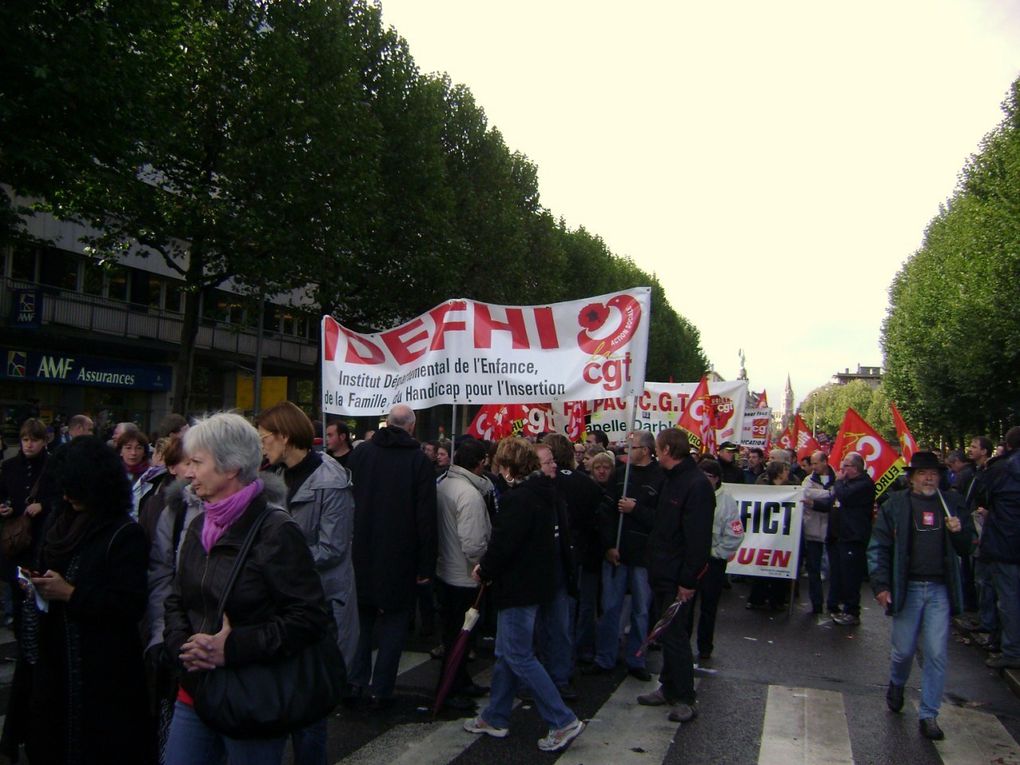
(816,518)
(323,507)
(463,524)
(394,519)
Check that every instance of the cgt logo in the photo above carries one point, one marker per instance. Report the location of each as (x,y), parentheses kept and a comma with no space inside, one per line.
(621,315)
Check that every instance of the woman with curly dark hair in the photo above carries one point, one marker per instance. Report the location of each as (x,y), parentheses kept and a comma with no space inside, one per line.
(87,702)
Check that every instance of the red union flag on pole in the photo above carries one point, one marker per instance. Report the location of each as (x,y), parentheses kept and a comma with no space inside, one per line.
(907,443)
(788,440)
(468,352)
(806,443)
(697,418)
(881,461)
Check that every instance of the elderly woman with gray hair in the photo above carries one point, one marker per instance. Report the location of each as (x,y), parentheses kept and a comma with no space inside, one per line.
(275,607)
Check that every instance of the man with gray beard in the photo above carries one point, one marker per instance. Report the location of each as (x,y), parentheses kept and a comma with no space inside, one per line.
(915,574)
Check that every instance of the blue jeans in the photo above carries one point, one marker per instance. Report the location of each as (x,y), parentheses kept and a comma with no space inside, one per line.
(554,637)
(1006,577)
(192,742)
(614,589)
(392,627)
(924,620)
(516,663)
(310,744)
(587,606)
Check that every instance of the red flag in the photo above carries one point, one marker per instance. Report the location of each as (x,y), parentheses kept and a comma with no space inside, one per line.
(575,420)
(806,443)
(881,461)
(697,418)
(496,421)
(758,400)
(788,440)
(907,443)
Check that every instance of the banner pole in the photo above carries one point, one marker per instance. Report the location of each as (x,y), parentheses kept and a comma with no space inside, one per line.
(453,425)
(626,481)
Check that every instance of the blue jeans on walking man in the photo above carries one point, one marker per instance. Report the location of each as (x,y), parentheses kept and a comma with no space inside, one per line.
(922,622)
(516,663)
(616,581)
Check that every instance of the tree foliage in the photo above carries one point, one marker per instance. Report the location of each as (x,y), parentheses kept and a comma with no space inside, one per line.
(951,337)
(283,144)
(824,407)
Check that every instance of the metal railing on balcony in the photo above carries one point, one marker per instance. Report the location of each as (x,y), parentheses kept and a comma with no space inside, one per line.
(120,319)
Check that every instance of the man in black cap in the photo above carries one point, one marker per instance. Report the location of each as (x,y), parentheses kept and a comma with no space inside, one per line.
(915,574)
(731,471)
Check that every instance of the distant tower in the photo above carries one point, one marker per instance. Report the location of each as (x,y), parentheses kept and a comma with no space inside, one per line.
(742,375)
(788,402)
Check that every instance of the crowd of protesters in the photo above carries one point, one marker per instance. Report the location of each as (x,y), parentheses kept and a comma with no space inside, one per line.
(141,566)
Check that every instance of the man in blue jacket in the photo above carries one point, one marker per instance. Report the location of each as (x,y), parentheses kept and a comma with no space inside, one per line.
(1000,544)
(915,574)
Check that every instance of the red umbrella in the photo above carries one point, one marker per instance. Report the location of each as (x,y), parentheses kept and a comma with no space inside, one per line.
(456,654)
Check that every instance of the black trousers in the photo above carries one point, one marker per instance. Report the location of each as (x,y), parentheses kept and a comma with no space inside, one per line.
(853,564)
(677,676)
(706,600)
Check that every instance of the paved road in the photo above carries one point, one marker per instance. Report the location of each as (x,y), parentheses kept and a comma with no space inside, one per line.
(781,690)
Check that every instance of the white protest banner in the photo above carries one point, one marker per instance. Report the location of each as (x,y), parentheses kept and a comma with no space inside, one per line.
(467,352)
(772,517)
(661,405)
(756,427)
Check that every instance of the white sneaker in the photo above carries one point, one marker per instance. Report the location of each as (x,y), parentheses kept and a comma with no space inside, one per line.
(478,725)
(560,739)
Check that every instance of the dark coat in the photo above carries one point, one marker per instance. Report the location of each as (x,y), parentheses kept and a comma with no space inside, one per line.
(276,607)
(1000,491)
(889,549)
(731,472)
(394,519)
(681,540)
(19,476)
(582,497)
(856,500)
(521,558)
(90,651)
(643,485)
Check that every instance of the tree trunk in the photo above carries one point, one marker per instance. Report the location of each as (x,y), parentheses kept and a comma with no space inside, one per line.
(185,364)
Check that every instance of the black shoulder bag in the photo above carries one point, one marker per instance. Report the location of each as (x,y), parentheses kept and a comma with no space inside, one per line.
(273,698)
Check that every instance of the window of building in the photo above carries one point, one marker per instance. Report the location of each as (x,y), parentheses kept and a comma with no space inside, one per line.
(174,298)
(270,322)
(145,289)
(58,268)
(92,277)
(117,283)
(287,323)
(23,263)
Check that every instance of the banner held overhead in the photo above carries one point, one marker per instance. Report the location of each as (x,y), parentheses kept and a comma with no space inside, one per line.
(468,352)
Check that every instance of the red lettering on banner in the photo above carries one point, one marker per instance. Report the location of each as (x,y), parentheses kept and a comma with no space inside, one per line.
(546,328)
(665,402)
(763,557)
(781,558)
(375,354)
(745,556)
(400,340)
(611,372)
(485,325)
(443,326)
(645,402)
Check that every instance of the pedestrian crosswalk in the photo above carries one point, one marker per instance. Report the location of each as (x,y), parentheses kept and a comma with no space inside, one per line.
(798,725)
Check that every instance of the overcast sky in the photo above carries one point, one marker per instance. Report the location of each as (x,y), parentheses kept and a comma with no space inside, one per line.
(773,163)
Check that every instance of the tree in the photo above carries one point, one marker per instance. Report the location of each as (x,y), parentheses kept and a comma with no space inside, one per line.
(951,337)
(824,408)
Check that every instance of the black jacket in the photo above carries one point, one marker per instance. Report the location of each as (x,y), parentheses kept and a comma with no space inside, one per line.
(276,607)
(582,497)
(644,484)
(731,472)
(522,555)
(856,498)
(23,481)
(681,540)
(90,650)
(1000,494)
(394,519)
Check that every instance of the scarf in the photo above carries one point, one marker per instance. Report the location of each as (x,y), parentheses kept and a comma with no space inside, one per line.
(220,515)
(135,471)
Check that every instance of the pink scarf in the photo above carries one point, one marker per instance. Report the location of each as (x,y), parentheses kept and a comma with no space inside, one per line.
(220,515)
